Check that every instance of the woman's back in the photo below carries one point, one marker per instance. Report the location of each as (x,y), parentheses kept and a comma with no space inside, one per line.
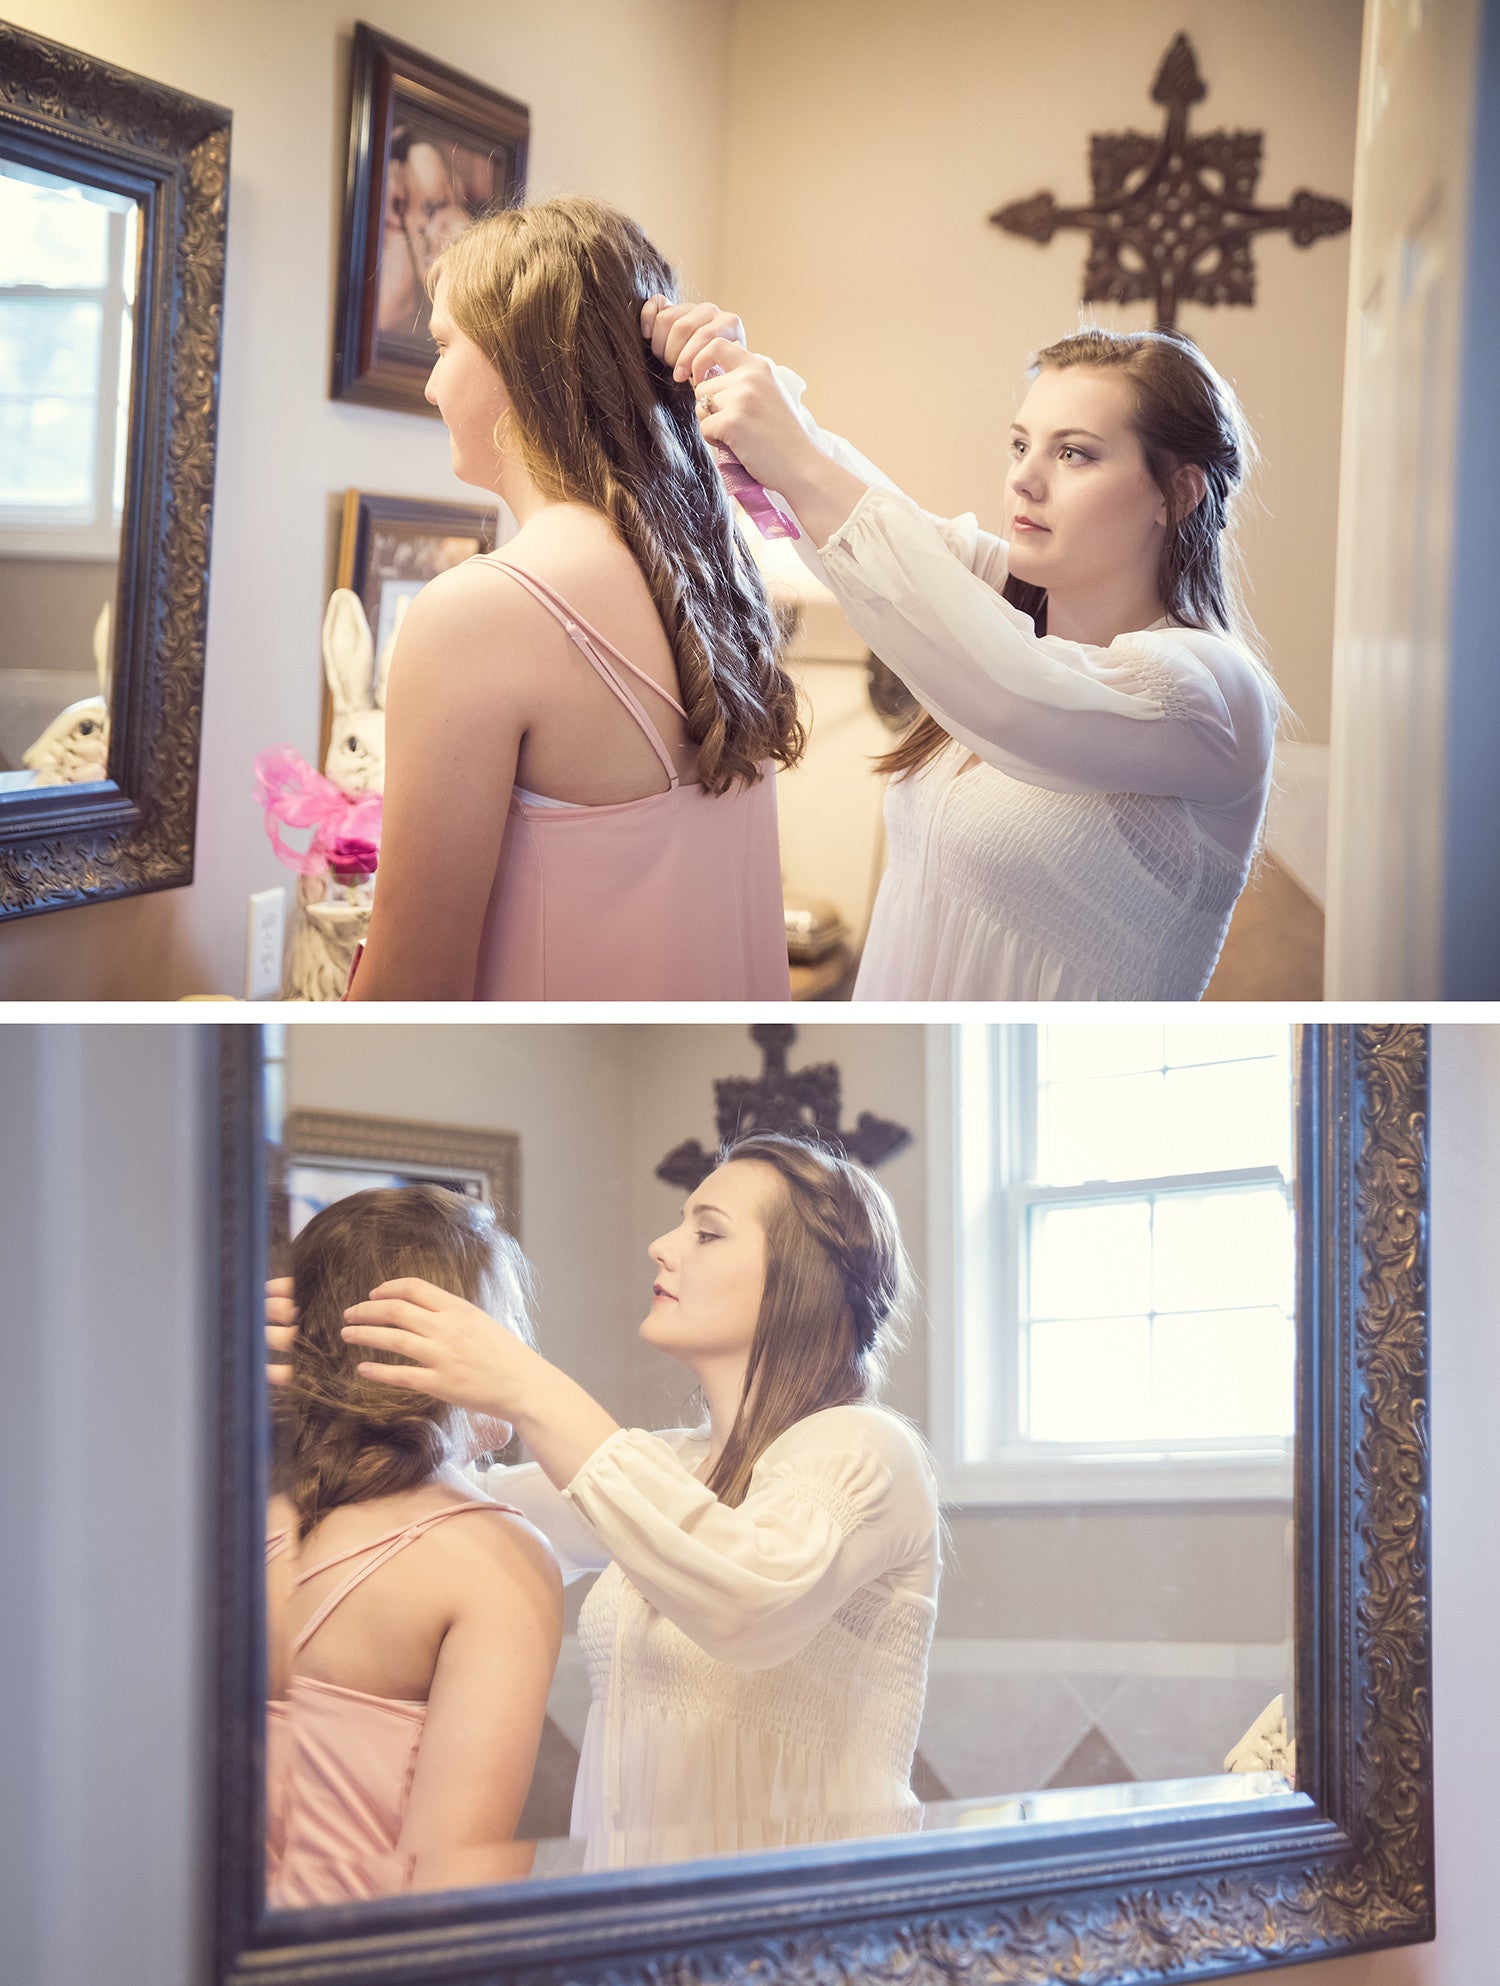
(619,876)
(411,1643)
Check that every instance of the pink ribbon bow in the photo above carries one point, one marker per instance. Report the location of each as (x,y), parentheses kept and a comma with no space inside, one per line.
(290,791)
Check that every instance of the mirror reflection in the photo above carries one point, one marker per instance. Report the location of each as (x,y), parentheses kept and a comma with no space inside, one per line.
(815,1499)
(68,265)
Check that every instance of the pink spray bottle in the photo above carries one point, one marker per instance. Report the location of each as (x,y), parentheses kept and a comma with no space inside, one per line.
(768,517)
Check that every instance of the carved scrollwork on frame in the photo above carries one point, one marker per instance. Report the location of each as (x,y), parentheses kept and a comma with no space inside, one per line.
(72,116)
(1344,1864)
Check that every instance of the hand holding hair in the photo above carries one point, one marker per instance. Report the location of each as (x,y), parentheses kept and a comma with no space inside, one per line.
(459,1354)
(679,332)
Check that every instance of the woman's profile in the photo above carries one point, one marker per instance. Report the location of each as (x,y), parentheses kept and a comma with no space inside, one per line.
(582,726)
(1075,812)
(413,1625)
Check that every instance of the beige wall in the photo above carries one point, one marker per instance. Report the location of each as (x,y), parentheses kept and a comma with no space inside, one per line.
(868,141)
(826,170)
(620,97)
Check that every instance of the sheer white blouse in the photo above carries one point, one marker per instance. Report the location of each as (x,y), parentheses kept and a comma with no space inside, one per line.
(756,1674)
(1088,832)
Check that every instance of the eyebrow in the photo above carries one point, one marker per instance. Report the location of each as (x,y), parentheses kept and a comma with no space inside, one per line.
(703,1207)
(1061,434)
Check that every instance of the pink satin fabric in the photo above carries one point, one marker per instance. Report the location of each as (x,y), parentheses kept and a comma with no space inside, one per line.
(289,791)
(676,896)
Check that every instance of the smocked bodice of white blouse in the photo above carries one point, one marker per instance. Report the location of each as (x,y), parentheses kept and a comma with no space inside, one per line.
(757,1673)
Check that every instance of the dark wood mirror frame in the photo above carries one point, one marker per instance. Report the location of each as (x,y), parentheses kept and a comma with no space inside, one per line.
(1347,1865)
(66,113)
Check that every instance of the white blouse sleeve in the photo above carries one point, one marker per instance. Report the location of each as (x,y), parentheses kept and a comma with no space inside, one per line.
(1172,711)
(525,1487)
(840,1499)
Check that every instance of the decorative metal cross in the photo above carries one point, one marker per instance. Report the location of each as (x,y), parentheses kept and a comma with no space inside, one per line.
(801,1103)
(1157,226)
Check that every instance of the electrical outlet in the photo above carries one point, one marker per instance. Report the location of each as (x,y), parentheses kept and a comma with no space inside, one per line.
(263,952)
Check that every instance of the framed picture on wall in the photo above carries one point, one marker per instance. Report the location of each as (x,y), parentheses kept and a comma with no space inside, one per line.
(327,1154)
(429,151)
(389,547)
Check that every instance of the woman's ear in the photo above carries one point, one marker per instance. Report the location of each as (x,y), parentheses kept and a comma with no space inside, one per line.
(1189,487)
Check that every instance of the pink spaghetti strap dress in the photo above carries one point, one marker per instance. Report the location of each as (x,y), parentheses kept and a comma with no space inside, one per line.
(676,896)
(340,1762)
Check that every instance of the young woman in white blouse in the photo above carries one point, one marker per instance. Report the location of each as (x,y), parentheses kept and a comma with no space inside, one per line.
(1075,813)
(757,1646)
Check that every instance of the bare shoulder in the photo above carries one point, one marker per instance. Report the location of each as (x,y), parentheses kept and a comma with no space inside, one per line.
(471,630)
(502,1545)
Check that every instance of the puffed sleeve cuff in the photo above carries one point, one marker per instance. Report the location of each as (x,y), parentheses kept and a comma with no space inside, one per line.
(525,1487)
(753,1584)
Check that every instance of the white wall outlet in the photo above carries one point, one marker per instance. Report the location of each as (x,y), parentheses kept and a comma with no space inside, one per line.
(263,952)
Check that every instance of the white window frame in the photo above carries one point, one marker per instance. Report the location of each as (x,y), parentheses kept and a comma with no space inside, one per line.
(36,531)
(974,1233)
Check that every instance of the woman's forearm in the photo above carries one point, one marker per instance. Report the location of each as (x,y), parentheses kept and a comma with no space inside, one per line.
(560,1423)
(821,492)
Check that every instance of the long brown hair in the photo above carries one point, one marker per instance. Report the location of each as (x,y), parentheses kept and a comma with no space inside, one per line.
(338,1438)
(1183,414)
(551,294)
(836,1285)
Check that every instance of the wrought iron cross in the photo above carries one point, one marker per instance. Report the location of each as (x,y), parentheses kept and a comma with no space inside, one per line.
(801,1103)
(1172,217)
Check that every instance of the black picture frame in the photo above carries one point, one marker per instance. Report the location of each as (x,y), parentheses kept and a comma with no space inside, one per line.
(473,142)
(1347,1865)
(69,114)
(394,545)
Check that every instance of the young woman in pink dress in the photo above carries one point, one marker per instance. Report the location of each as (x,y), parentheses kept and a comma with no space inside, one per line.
(581,728)
(413,1624)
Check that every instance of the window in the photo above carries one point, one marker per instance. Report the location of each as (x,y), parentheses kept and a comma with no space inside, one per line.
(1113,1308)
(67,294)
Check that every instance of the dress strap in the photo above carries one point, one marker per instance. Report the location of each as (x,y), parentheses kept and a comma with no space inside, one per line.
(276,1543)
(385,1549)
(602,654)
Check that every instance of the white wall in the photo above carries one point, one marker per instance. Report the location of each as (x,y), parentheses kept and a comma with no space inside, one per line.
(104,1557)
(620,96)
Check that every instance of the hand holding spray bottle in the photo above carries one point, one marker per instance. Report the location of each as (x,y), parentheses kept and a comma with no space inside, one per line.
(769,519)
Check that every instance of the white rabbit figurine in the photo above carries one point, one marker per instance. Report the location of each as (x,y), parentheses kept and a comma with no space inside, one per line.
(1266,1746)
(330,922)
(74,748)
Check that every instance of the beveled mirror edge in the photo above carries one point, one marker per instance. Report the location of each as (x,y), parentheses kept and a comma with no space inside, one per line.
(62,846)
(1182,1899)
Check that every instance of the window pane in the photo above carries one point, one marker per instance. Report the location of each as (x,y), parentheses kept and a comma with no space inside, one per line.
(52,232)
(1223,1375)
(1091,1261)
(1107,1129)
(49,345)
(47,453)
(1226,1115)
(1066,1053)
(49,371)
(1187,1042)
(1089,1379)
(1221,1251)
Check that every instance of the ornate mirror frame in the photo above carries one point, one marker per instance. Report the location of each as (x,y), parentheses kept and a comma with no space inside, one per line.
(1346,1864)
(67,113)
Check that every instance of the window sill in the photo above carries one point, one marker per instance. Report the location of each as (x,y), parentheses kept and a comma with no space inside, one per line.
(1024,1477)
